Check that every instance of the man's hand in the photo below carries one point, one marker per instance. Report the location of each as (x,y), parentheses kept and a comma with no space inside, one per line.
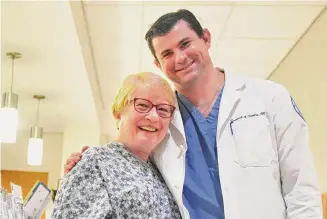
(73,159)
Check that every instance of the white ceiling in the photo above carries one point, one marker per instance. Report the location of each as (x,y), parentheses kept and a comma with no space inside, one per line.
(248,38)
(77,56)
(52,64)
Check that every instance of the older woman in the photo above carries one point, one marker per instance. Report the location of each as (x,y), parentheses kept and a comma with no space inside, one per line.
(119,180)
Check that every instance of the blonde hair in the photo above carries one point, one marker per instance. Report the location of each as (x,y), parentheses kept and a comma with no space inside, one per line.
(133,82)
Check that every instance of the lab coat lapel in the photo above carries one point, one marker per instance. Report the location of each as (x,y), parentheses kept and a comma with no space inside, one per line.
(177,126)
(229,102)
(170,158)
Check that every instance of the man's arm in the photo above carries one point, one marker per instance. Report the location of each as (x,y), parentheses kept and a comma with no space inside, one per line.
(73,159)
(298,176)
(82,193)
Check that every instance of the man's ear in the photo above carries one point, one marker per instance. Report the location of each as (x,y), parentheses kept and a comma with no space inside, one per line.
(207,37)
(157,64)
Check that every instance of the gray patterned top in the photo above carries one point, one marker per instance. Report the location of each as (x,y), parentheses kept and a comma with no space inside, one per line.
(111,182)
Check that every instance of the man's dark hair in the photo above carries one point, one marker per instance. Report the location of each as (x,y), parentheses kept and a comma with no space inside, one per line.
(167,21)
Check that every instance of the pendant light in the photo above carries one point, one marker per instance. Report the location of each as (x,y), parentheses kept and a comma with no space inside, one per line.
(35,143)
(8,111)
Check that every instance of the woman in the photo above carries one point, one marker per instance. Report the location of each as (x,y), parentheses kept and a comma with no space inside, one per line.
(119,180)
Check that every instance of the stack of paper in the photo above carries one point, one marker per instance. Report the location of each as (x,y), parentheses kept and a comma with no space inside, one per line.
(10,207)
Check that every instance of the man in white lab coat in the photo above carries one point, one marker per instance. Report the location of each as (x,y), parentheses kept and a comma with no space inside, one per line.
(237,147)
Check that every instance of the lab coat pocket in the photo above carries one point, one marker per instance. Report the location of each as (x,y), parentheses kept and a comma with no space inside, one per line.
(252,142)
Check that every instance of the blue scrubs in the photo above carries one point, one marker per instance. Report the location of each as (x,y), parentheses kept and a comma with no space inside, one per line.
(202,191)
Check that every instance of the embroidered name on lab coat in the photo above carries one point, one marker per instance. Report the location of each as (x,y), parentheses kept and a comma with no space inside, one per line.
(248,116)
(245,117)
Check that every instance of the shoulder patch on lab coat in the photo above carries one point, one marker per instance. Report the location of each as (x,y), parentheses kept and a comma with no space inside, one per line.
(297,110)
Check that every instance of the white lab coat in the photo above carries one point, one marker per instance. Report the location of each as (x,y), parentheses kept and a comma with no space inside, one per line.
(265,165)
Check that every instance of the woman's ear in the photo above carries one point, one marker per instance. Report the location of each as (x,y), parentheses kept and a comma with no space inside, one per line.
(117,120)
(118,123)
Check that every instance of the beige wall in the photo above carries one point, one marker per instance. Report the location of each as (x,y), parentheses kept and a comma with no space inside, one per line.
(304,73)
(75,137)
(14,156)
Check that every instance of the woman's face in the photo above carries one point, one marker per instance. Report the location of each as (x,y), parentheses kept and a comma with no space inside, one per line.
(140,128)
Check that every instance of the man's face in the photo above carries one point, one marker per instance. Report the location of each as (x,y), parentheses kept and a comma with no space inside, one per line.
(181,54)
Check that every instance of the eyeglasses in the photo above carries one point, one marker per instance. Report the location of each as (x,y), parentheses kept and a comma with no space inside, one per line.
(145,106)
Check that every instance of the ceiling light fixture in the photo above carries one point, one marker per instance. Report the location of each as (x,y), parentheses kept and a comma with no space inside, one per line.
(8,111)
(35,143)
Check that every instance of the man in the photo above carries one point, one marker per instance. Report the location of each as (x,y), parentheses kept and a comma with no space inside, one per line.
(237,147)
